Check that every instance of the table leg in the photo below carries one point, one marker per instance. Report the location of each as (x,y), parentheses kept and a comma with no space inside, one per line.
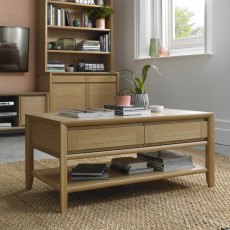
(29,156)
(210,153)
(63,171)
(63,185)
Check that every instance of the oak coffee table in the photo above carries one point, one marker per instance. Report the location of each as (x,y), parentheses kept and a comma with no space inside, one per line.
(69,138)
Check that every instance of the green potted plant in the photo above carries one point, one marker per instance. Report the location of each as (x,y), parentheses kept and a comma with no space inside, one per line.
(138,91)
(100,14)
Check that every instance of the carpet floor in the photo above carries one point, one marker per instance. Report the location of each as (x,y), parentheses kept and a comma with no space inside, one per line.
(178,203)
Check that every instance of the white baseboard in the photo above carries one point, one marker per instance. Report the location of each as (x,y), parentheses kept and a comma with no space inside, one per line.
(222,131)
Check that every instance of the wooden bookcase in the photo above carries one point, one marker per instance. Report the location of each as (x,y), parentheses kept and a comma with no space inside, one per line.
(74,89)
(51,33)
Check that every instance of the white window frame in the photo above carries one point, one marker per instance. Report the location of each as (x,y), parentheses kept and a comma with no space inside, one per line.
(152,19)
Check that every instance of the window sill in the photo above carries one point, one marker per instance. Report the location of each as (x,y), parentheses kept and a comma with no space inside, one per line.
(173,56)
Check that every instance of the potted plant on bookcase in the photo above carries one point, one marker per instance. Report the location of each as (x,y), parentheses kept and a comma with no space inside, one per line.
(138,91)
(100,14)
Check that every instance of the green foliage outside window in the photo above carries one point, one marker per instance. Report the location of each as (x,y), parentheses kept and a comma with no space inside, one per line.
(184,28)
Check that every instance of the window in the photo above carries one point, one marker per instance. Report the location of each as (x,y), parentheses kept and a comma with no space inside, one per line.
(183,26)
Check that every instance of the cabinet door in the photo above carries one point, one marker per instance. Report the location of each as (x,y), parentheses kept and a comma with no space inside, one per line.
(67,95)
(100,90)
(31,104)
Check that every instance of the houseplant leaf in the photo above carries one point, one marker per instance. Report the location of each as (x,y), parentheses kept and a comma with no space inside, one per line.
(146,69)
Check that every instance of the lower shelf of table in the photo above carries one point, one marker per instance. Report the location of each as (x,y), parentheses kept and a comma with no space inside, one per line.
(50,176)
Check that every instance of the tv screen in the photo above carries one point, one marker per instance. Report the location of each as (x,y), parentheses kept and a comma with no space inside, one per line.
(14,49)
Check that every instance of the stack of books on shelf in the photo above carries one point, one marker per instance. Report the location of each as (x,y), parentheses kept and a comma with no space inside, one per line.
(55,66)
(128,110)
(167,160)
(87,113)
(90,171)
(130,165)
(88,45)
(105,42)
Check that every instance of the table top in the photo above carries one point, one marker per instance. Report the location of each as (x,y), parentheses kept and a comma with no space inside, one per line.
(167,114)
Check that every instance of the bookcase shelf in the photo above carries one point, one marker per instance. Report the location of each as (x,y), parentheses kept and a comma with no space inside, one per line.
(72,28)
(73,5)
(77,52)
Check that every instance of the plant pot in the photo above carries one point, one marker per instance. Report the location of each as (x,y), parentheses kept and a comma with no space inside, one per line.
(123,100)
(140,100)
(100,23)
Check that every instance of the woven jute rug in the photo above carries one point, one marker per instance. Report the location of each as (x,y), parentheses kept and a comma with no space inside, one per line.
(178,203)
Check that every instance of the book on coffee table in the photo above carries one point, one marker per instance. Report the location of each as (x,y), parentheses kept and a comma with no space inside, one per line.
(90,169)
(87,113)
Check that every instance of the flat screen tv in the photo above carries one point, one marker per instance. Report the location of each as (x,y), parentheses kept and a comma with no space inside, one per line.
(14,49)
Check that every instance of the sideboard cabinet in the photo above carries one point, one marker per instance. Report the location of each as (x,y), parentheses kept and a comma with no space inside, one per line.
(79,90)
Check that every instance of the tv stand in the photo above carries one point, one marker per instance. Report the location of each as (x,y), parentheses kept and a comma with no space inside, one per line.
(14,106)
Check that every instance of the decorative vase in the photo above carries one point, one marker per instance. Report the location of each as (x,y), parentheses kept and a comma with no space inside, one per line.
(140,100)
(77,22)
(154,47)
(123,100)
(100,23)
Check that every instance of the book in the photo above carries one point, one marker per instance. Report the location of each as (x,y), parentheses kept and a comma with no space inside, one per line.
(87,113)
(165,156)
(134,171)
(129,163)
(124,108)
(132,112)
(104,176)
(67,18)
(91,169)
(167,160)
(56,65)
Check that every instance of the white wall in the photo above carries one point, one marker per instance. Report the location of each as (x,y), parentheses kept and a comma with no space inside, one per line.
(195,82)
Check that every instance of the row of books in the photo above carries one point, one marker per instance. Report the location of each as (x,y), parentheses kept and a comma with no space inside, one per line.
(57,16)
(105,43)
(61,17)
(145,162)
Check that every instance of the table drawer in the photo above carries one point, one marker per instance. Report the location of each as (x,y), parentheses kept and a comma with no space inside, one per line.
(105,137)
(175,131)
